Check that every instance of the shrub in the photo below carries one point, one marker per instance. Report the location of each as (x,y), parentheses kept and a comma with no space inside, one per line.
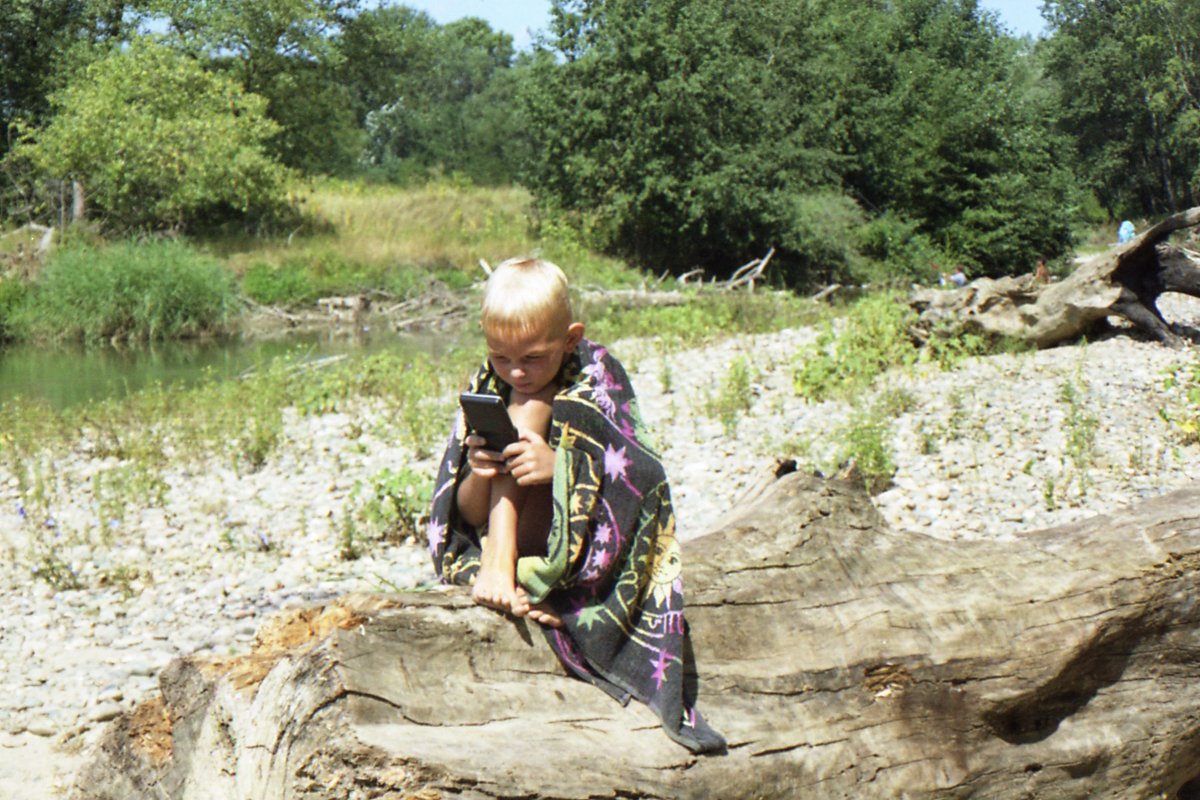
(13,295)
(875,339)
(158,142)
(128,292)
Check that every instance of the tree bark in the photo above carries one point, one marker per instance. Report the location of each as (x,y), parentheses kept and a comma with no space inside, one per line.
(839,657)
(1124,282)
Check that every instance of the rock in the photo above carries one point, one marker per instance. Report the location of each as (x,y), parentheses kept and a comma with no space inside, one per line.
(104,712)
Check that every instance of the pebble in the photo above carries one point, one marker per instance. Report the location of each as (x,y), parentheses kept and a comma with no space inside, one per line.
(975,457)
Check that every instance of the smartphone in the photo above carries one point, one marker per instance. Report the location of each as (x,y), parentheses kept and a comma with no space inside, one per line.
(488,416)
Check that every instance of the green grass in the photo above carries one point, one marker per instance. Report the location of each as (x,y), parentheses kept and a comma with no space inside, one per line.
(127,292)
(362,238)
(702,317)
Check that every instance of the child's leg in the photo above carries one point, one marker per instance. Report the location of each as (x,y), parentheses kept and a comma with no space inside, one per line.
(515,525)
(495,585)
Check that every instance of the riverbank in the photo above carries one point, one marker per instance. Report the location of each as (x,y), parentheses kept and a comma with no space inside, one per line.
(1003,444)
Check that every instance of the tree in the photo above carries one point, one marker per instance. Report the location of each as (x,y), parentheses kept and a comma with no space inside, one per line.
(157,141)
(692,131)
(683,129)
(36,38)
(283,51)
(1128,79)
(434,96)
(937,130)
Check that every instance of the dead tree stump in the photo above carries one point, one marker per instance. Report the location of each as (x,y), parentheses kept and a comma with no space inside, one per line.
(839,657)
(1125,282)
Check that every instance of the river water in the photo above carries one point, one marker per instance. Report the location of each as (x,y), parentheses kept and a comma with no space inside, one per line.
(66,376)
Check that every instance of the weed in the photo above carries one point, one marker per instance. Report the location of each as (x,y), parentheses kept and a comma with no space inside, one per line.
(873,339)
(733,398)
(1079,430)
(865,442)
(348,535)
(129,292)
(666,379)
(703,317)
(124,486)
(125,579)
(1183,415)
(395,503)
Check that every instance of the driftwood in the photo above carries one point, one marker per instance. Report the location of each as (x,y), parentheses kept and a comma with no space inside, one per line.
(1125,282)
(745,275)
(839,657)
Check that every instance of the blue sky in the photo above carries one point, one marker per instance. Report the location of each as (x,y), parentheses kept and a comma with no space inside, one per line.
(519,17)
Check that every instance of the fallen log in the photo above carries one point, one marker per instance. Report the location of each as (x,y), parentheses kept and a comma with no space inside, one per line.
(1124,282)
(840,658)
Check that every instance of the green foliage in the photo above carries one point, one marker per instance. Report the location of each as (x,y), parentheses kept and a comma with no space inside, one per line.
(285,52)
(893,249)
(127,292)
(702,317)
(1183,415)
(13,296)
(446,99)
(1128,93)
(157,142)
(38,40)
(692,131)
(302,280)
(1079,432)
(733,398)
(278,285)
(873,339)
(393,504)
(865,442)
(662,123)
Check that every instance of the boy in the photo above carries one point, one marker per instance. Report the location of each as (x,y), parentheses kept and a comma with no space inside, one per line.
(571,525)
(526,320)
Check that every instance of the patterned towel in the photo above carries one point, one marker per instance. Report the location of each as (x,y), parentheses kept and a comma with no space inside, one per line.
(612,569)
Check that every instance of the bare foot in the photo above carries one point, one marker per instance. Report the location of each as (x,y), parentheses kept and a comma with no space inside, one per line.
(540,613)
(544,615)
(495,589)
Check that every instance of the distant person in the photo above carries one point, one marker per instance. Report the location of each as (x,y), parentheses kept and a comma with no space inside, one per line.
(1041,274)
(958,278)
(1125,232)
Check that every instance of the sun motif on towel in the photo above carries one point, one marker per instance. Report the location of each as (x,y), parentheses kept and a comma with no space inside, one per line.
(666,564)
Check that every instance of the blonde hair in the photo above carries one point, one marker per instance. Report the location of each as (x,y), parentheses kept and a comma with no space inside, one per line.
(525,295)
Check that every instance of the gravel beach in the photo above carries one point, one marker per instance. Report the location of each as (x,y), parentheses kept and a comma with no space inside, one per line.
(985,451)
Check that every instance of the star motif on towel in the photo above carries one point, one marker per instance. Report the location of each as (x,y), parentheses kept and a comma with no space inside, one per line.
(660,667)
(436,533)
(615,462)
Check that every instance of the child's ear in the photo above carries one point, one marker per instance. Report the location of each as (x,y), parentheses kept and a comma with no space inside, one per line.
(574,334)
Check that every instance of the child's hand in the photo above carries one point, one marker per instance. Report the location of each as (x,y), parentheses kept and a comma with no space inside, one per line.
(531,460)
(485,463)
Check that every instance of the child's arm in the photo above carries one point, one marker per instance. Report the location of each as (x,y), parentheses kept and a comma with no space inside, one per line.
(475,490)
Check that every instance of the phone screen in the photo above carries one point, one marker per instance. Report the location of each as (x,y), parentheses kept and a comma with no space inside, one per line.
(488,417)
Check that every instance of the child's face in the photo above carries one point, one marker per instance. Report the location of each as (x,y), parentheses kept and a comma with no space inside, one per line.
(530,362)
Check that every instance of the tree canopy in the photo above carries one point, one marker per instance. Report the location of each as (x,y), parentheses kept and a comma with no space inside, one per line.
(695,132)
(861,138)
(158,141)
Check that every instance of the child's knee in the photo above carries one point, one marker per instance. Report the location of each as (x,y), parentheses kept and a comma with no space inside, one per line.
(533,415)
